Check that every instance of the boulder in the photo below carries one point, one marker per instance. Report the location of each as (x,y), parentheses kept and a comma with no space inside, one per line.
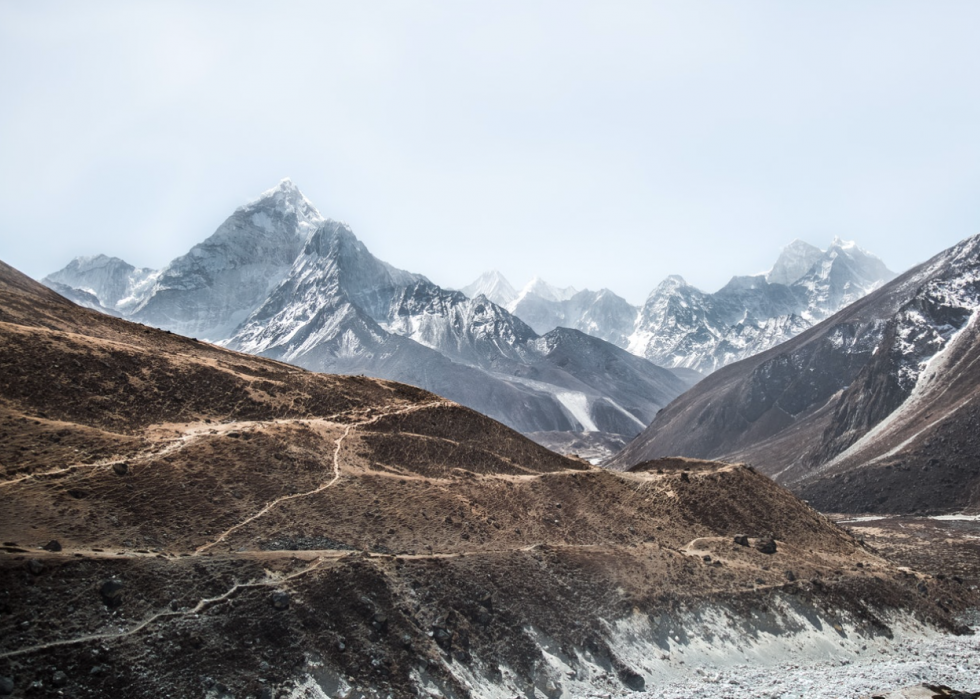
(35,567)
(111,592)
(279,600)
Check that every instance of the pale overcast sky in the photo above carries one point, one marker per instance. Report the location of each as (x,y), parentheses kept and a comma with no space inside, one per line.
(596,144)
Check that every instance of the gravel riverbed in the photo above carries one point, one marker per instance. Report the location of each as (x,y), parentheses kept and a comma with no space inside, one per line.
(949,660)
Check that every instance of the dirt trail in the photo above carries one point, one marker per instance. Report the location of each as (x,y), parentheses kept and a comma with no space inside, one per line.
(197,609)
(319,489)
(190,433)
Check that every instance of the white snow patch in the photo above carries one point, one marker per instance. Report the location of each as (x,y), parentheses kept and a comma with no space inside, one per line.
(625,412)
(578,405)
(934,367)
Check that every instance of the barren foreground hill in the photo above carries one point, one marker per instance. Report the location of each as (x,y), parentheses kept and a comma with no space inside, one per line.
(181,520)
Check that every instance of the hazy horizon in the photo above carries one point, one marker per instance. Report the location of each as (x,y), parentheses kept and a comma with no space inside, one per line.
(590,146)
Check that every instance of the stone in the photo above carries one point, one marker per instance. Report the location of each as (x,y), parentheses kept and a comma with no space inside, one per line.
(59,679)
(6,686)
(279,600)
(35,567)
(54,546)
(766,546)
(443,637)
(121,468)
(741,540)
(111,592)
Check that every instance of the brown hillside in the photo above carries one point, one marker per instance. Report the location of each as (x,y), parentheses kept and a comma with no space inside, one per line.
(231,525)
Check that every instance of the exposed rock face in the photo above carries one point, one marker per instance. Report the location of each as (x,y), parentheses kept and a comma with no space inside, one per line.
(872,409)
(681,326)
(300,534)
(209,291)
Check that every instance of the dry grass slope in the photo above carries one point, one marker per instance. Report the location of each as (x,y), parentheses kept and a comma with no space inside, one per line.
(266,524)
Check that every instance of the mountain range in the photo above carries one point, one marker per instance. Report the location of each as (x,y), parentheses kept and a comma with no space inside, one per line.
(680,326)
(278,279)
(875,409)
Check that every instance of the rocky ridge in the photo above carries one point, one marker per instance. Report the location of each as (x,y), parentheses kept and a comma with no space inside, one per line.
(873,409)
(680,326)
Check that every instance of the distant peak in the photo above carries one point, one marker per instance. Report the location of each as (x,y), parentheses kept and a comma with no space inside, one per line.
(285,191)
(492,275)
(539,287)
(286,198)
(794,261)
(839,242)
(800,244)
(493,285)
(668,287)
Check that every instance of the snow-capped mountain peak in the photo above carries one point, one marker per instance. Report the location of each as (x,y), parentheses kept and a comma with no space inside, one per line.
(494,286)
(111,280)
(542,289)
(671,283)
(282,202)
(680,326)
(794,262)
(842,244)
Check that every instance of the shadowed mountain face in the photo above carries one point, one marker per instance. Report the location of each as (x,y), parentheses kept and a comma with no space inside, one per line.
(873,409)
(278,279)
(219,523)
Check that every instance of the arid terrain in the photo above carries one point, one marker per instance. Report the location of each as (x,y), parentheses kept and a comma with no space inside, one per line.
(180,520)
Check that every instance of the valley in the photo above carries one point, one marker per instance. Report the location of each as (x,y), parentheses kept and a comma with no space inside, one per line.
(576,370)
(188,520)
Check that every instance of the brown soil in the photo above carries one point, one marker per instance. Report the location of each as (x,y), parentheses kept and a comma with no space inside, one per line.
(946,549)
(265,522)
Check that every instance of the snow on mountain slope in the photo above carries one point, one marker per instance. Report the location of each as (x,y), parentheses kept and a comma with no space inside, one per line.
(340,309)
(682,327)
(794,262)
(209,291)
(539,288)
(85,299)
(876,408)
(277,278)
(843,275)
(601,314)
(494,286)
(114,283)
